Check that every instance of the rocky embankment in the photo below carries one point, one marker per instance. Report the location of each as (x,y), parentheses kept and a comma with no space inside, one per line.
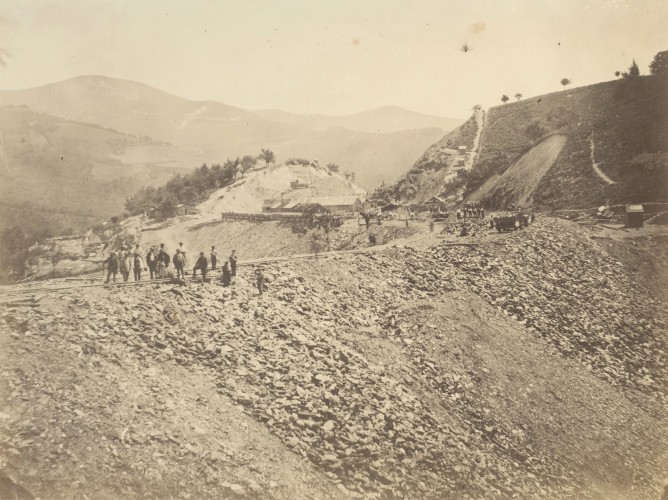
(561,285)
(391,374)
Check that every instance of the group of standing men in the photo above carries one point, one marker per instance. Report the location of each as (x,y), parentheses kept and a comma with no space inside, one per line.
(470,213)
(157,262)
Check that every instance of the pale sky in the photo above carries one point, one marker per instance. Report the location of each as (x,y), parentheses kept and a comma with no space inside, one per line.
(332,56)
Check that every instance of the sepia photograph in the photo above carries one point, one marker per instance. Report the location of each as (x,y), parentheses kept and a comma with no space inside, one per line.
(336,249)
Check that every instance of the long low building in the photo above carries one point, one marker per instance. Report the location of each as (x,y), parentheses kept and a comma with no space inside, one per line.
(349,203)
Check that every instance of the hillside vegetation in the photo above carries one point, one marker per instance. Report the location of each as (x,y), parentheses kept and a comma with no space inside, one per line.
(627,122)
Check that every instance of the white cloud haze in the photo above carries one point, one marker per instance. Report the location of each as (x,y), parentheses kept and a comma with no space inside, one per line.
(332,57)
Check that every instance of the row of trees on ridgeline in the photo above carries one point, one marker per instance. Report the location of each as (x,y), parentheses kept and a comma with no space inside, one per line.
(518,96)
(658,66)
(195,187)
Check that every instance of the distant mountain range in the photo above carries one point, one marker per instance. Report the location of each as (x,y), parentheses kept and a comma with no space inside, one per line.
(383,120)
(378,145)
(83,145)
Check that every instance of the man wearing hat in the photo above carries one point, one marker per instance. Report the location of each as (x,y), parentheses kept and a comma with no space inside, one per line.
(152,262)
(179,263)
(202,264)
(112,266)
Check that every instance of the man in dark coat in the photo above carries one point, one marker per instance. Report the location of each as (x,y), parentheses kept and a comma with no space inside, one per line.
(202,264)
(137,265)
(227,275)
(152,262)
(112,266)
(163,261)
(179,263)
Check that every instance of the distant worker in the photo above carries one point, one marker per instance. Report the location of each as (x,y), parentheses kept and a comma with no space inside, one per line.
(138,249)
(126,266)
(259,280)
(137,264)
(202,265)
(152,262)
(372,239)
(112,266)
(233,263)
(406,223)
(482,213)
(227,275)
(533,217)
(214,258)
(179,263)
(431,226)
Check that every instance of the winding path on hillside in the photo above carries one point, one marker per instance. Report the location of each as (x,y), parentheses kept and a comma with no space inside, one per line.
(594,165)
(480,121)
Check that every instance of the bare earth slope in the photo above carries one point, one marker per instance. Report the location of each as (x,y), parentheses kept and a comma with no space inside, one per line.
(248,194)
(624,119)
(518,184)
(444,372)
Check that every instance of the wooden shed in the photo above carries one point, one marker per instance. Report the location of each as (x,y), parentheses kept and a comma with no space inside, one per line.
(183,209)
(634,215)
(435,203)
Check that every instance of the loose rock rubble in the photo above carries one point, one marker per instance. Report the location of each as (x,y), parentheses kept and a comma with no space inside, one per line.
(563,286)
(287,359)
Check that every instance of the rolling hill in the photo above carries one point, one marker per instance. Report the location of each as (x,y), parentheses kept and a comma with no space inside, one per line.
(377,145)
(380,120)
(583,147)
(63,174)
